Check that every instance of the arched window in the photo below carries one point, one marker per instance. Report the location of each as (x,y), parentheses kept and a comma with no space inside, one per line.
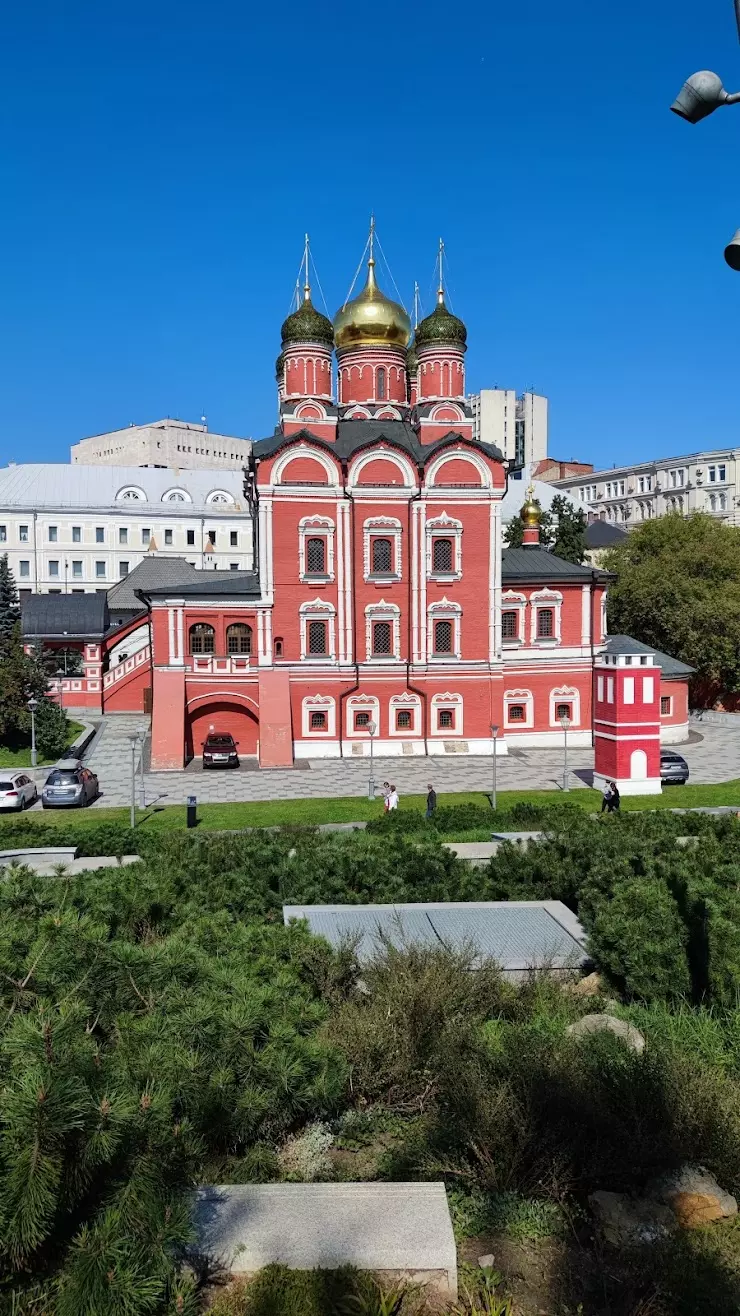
(202,638)
(382,638)
(713,502)
(723,502)
(382,556)
(380,385)
(317,637)
(442,558)
(316,556)
(443,637)
(239,638)
(510,625)
(545,623)
(278,646)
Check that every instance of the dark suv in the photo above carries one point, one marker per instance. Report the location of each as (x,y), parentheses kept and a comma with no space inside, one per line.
(69,786)
(674,770)
(219,751)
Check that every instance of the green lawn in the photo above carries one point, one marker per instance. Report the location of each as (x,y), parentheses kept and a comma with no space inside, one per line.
(273,813)
(21,758)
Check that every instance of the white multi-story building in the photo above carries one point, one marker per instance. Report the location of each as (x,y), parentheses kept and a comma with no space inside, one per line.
(515,425)
(628,495)
(164,443)
(77,529)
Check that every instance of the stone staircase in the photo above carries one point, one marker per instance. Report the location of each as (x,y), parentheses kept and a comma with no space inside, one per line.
(109,755)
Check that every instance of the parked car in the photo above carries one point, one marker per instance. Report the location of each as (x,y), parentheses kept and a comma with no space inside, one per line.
(69,786)
(674,770)
(17,790)
(219,751)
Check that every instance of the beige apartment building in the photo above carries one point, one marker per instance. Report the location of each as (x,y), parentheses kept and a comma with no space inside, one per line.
(516,425)
(629,495)
(175,443)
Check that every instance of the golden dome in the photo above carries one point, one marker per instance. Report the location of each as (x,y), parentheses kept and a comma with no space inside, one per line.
(371,319)
(531,510)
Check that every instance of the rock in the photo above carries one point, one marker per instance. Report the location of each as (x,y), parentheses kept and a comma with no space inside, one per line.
(589,986)
(487,1262)
(624,1220)
(694,1196)
(608,1023)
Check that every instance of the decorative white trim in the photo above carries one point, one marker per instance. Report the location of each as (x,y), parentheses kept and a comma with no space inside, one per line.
(385,455)
(362,704)
(459,454)
(444,526)
(546,598)
(318,527)
(444,610)
(406,703)
(319,703)
(524,697)
(299,450)
(444,703)
(318,610)
(176,495)
(382,611)
(382,527)
(446,406)
(220,496)
(565,694)
(511,601)
(131,493)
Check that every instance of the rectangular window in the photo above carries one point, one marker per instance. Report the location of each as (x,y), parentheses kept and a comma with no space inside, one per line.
(100,570)
(666,705)
(77,569)
(53,535)
(191,538)
(712,473)
(317,637)
(516,713)
(25,567)
(233,566)
(721,473)
(443,637)
(610,689)
(122,569)
(648,689)
(234,538)
(212,537)
(403,719)
(122,535)
(316,556)
(362,721)
(318,721)
(510,625)
(53,568)
(146,535)
(600,688)
(3,534)
(23,533)
(100,534)
(168,538)
(629,689)
(564,710)
(382,638)
(76,534)
(382,556)
(447,719)
(545,623)
(442,555)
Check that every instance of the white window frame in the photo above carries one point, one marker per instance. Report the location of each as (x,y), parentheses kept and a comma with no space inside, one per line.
(565,694)
(444,703)
(316,527)
(382,527)
(511,601)
(319,703)
(382,611)
(406,703)
(444,610)
(546,598)
(669,712)
(444,527)
(360,703)
(318,610)
(519,697)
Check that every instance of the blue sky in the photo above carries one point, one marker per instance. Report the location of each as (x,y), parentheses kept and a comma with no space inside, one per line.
(161,161)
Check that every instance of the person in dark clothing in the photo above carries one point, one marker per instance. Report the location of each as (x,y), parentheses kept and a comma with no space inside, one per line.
(606,799)
(615,800)
(431,800)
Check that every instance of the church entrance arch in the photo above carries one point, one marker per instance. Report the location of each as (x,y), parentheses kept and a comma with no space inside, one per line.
(223,715)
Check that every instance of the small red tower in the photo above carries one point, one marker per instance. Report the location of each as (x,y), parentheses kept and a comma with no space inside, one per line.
(303,368)
(440,346)
(627,722)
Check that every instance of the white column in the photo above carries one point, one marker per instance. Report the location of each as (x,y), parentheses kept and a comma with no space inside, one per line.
(494,584)
(172,655)
(348,584)
(261,654)
(339,568)
(423,581)
(585,614)
(180,636)
(414,562)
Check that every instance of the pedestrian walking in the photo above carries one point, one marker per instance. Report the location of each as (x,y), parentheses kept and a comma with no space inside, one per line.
(393,799)
(431,800)
(615,800)
(606,799)
(386,795)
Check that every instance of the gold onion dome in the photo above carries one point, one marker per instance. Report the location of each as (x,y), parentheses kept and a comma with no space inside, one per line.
(531,510)
(307,325)
(371,319)
(441,326)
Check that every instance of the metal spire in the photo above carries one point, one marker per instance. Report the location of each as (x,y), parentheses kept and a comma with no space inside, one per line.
(416,305)
(306,280)
(440,287)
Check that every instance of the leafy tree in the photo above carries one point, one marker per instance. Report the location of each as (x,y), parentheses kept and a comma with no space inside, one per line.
(52,728)
(678,589)
(22,676)
(10,612)
(562,530)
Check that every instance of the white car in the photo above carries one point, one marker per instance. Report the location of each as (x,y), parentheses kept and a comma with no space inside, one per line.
(17,790)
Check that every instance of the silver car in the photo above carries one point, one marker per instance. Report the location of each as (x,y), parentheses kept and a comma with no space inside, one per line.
(69,786)
(17,790)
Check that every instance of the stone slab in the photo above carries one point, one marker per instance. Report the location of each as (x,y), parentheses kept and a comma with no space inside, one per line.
(46,862)
(399,1229)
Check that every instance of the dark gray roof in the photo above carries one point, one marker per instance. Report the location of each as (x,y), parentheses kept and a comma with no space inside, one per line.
(353,435)
(238,583)
(670,667)
(151,572)
(600,534)
(539,566)
(64,616)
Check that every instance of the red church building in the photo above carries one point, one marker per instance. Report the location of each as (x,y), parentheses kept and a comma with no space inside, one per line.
(383,604)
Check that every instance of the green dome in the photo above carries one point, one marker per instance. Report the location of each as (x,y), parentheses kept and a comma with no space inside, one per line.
(279,367)
(441,327)
(307,325)
(412,360)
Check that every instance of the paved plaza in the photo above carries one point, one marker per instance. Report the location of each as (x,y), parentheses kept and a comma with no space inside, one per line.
(713,755)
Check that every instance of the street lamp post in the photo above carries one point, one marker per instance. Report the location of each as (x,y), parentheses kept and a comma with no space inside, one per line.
(32,705)
(371,729)
(60,679)
(142,742)
(133,741)
(494,733)
(699,97)
(565,723)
